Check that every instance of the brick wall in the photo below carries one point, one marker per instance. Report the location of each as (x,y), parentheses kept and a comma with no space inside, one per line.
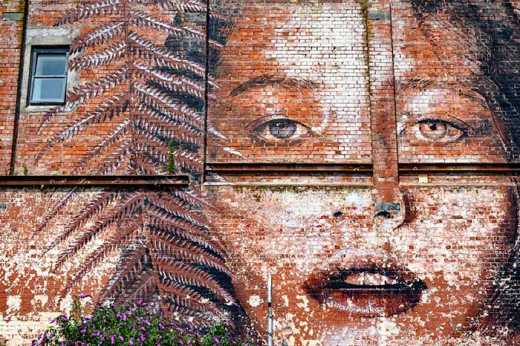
(362,153)
(12,18)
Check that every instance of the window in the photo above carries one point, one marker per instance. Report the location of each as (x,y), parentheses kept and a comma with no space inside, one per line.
(48,80)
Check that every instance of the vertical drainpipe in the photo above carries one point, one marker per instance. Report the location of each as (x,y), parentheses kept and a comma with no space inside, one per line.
(206,93)
(19,88)
(269,310)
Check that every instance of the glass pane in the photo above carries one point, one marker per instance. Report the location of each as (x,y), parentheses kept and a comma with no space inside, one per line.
(48,90)
(51,65)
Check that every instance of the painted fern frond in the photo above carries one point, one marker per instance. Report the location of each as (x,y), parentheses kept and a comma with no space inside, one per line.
(93,208)
(89,90)
(145,20)
(187,6)
(116,51)
(163,102)
(176,210)
(58,207)
(161,219)
(160,228)
(144,48)
(184,251)
(199,318)
(110,108)
(172,83)
(130,262)
(188,160)
(98,36)
(160,82)
(190,275)
(90,10)
(186,296)
(179,135)
(165,252)
(141,284)
(127,209)
(144,165)
(116,136)
(116,158)
(191,198)
(169,285)
(150,108)
(146,97)
(101,253)
(185,161)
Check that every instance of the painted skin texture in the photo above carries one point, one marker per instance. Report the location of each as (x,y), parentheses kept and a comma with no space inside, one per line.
(306,65)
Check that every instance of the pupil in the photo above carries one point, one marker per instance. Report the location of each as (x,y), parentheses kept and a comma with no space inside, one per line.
(282,128)
(433,127)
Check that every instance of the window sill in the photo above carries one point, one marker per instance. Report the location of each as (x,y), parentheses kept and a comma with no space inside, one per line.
(41,108)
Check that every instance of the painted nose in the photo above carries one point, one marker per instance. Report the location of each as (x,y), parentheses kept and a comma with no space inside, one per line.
(388,210)
(390,214)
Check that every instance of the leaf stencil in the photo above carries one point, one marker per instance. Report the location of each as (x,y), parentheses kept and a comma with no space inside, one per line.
(144,107)
(143,90)
(165,250)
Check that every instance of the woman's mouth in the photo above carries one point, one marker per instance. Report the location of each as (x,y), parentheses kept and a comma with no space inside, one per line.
(366,292)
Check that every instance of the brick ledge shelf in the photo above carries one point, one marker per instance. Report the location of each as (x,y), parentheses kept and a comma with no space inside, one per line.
(94,181)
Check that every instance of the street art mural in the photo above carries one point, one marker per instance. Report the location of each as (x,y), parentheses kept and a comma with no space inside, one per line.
(149,96)
(306,83)
(149,101)
(295,121)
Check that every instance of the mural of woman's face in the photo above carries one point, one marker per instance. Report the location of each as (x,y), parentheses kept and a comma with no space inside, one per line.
(293,87)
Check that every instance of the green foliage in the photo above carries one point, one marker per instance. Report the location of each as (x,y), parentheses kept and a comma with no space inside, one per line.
(171,159)
(134,325)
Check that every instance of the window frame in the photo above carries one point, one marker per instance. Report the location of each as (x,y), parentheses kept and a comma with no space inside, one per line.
(46,49)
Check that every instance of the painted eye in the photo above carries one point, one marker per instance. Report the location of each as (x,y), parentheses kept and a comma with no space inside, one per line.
(439,131)
(282,129)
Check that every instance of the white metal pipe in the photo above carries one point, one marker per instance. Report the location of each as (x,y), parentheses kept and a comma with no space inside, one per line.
(269,310)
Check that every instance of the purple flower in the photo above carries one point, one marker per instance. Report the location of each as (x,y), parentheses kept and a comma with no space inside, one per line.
(60,318)
(113,339)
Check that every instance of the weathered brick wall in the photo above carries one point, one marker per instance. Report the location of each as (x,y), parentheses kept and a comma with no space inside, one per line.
(360,152)
(128,63)
(10,43)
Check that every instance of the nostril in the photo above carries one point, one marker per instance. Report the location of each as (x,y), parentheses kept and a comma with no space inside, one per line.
(384,214)
(337,214)
(387,210)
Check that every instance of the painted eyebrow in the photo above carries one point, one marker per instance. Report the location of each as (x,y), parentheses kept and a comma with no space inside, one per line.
(465,88)
(265,80)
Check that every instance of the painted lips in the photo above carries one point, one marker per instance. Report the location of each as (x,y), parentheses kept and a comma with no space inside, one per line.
(366,292)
